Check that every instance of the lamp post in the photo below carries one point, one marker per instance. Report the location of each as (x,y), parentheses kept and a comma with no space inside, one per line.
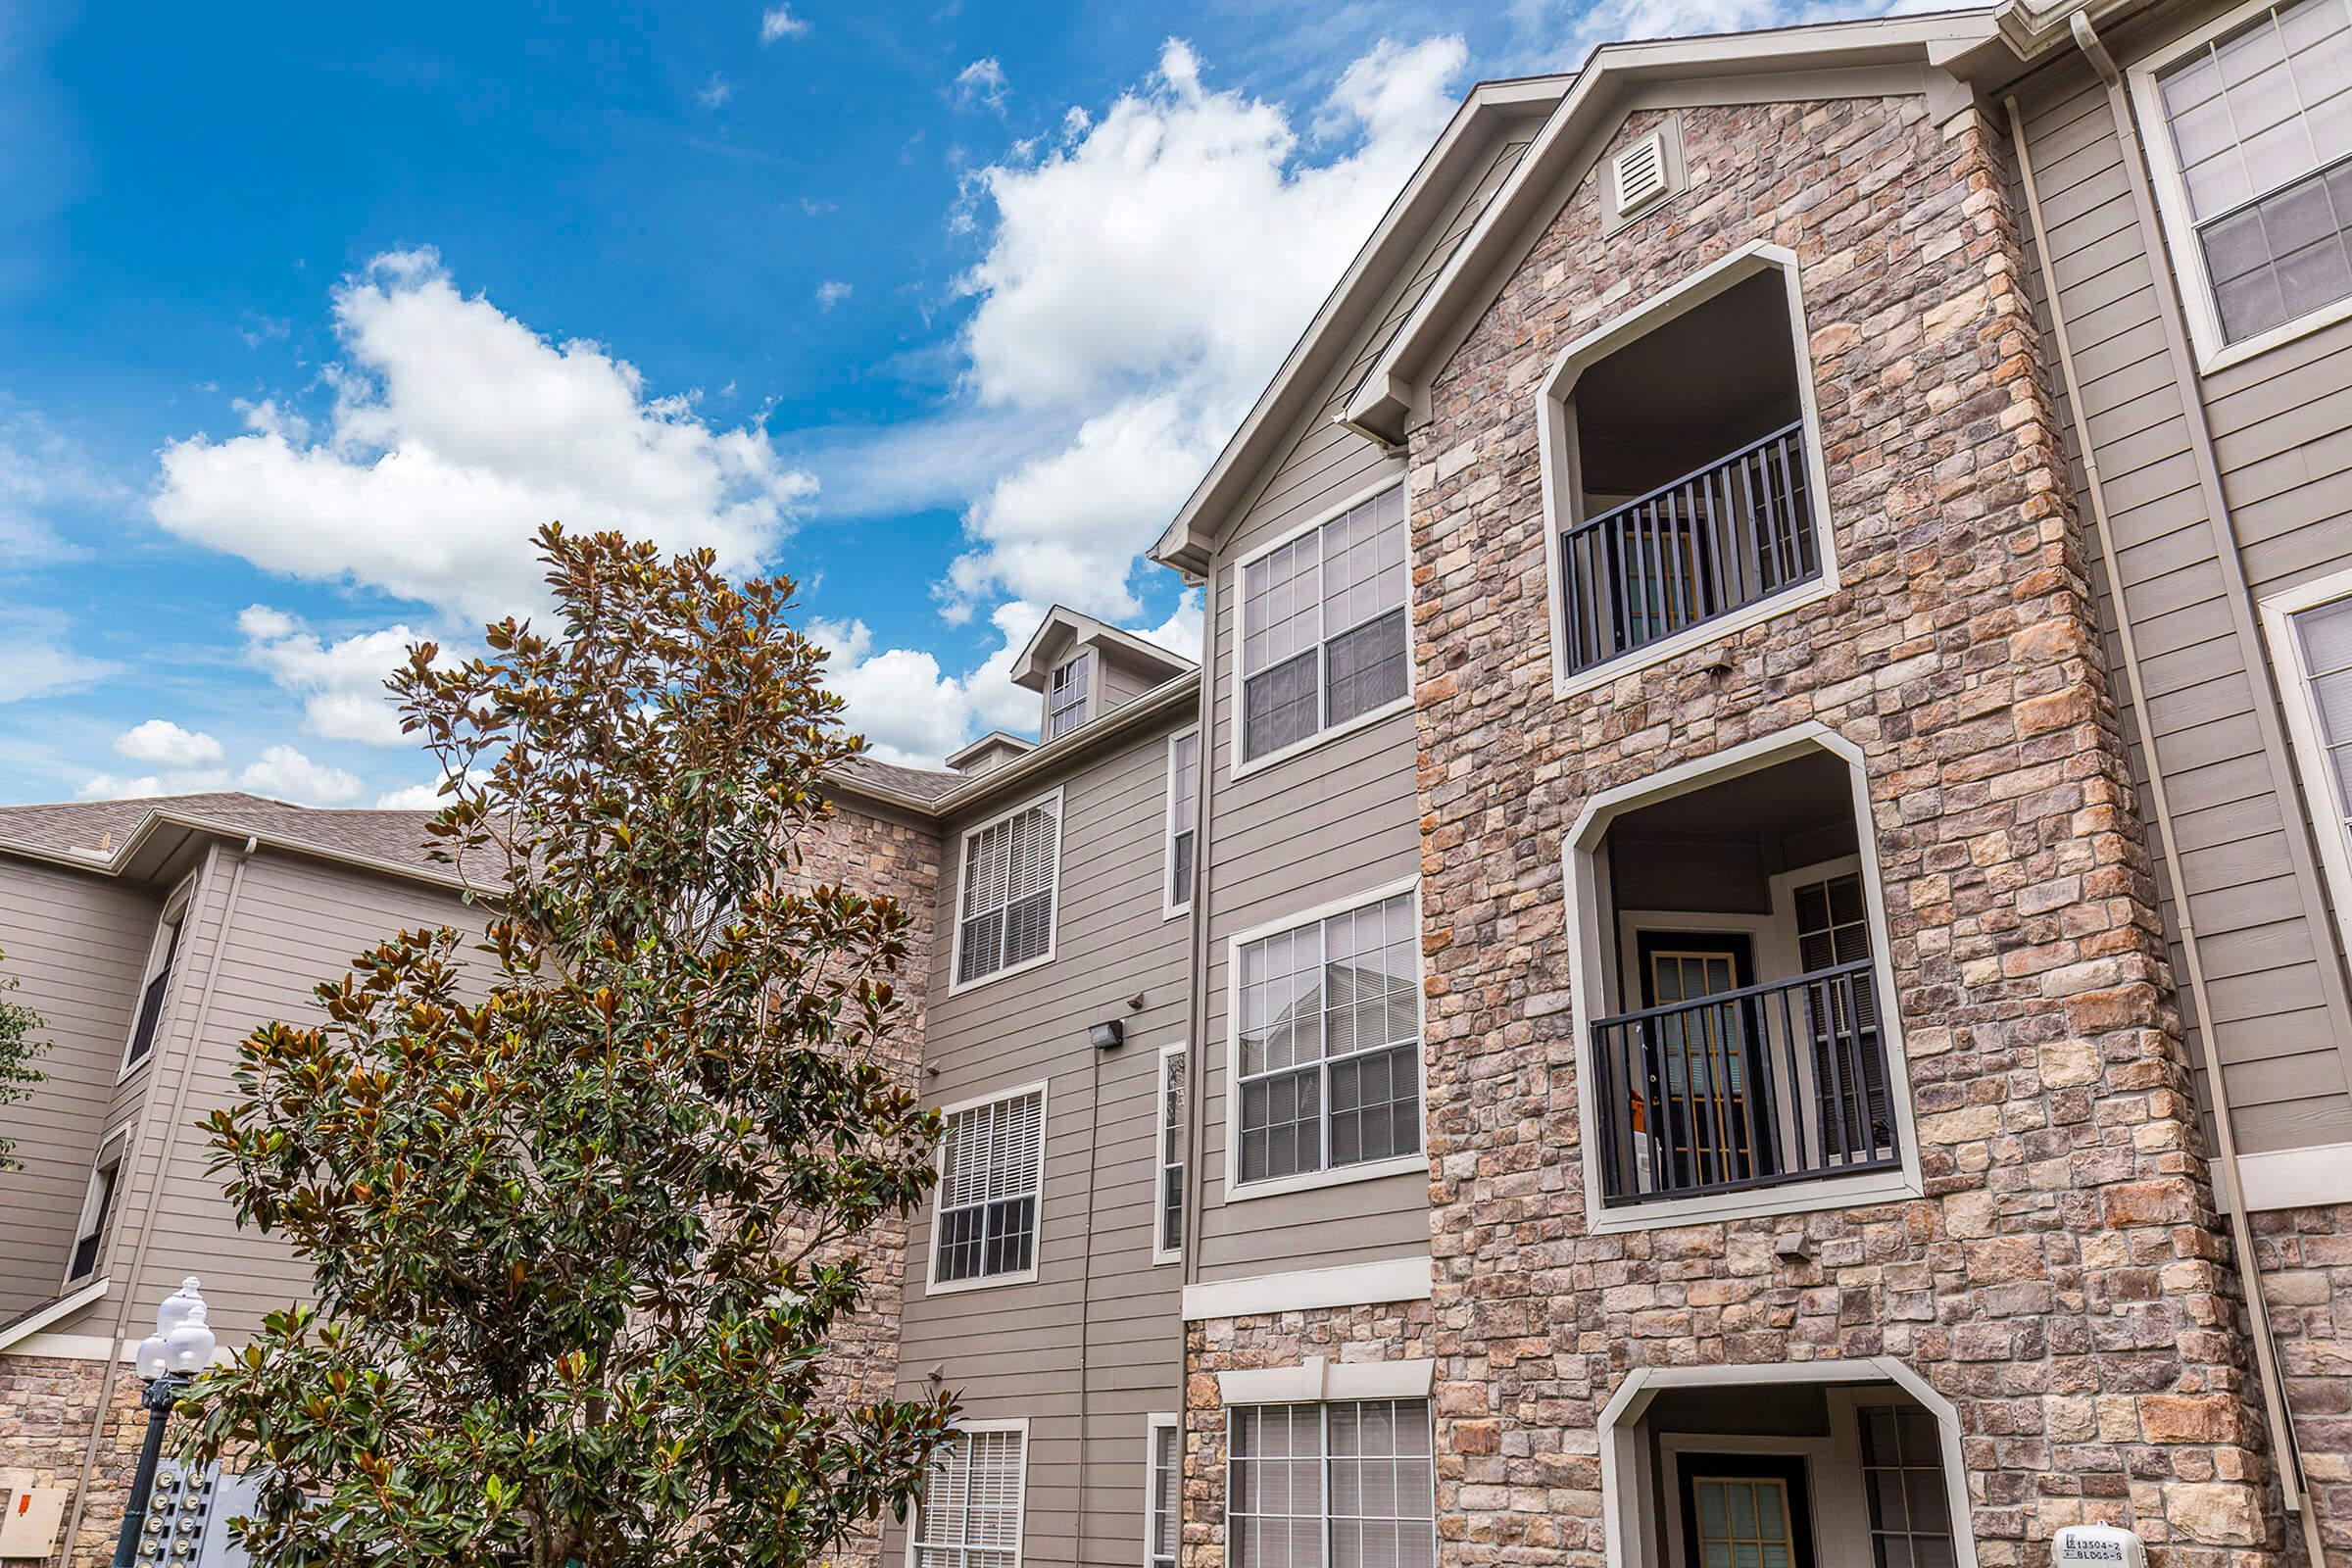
(180,1346)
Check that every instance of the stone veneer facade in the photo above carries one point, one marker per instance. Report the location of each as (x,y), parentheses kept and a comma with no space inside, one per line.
(2064,1279)
(2306,1260)
(47,1407)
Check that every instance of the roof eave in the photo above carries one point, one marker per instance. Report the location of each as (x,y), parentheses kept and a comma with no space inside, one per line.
(1189,541)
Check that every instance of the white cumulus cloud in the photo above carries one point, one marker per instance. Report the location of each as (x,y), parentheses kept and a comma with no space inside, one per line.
(341,684)
(285,774)
(778,22)
(455,431)
(1126,284)
(832,292)
(412,798)
(981,84)
(160,743)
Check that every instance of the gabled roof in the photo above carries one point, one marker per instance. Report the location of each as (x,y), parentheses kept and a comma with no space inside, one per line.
(110,837)
(1478,126)
(1398,384)
(996,740)
(1064,628)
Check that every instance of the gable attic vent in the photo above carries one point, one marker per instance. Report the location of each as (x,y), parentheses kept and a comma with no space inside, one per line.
(1640,172)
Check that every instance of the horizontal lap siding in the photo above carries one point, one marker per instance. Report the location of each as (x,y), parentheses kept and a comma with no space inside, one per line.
(296,923)
(1014,1350)
(78,945)
(1322,825)
(2282,432)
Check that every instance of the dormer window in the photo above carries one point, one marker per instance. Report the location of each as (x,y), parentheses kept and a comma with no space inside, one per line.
(1065,697)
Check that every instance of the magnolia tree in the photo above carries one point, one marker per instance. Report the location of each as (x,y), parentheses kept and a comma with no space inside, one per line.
(17,1026)
(582,1199)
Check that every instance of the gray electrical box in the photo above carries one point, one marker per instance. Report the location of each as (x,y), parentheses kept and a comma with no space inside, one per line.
(187,1519)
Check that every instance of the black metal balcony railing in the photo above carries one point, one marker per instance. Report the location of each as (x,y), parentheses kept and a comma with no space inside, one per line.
(1773,1083)
(1712,542)
(151,1008)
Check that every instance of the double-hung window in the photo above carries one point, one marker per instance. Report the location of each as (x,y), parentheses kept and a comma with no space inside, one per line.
(1163,1492)
(2255,117)
(1329,1042)
(969,1515)
(156,984)
(97,1210)
(1345,1484)
(1184,799)
(1323,627)
(1065,698)
(2311,641)
(1006,896)
(1167,1209)
(990,1174)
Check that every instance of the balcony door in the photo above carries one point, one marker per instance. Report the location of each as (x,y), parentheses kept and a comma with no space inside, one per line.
(1746,1510)
(1707,1072)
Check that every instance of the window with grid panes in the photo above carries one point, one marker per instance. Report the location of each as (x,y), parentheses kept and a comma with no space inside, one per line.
(992,1165)
(1065,708)
(1167,1241)
(1184,799)
(1344,1485)
(1163,1495)
(1323,627)
(1833,927)
(1902,1477)
(970,1513)
(2324,640)
(1330,1026)
(1006,895)
(2260,120)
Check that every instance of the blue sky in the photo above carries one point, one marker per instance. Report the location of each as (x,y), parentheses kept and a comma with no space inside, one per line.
(309,316)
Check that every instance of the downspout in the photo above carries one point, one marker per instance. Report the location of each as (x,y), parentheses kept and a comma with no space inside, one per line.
(146,1231)
(2241,1234)
(1196,1065)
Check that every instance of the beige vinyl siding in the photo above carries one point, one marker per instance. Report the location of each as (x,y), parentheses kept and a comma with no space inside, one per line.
(2282,424)
(1326,823)
(77,945)
(295,923)
(1099,1329)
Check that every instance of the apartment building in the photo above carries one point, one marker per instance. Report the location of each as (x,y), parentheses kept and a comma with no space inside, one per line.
(1741,933)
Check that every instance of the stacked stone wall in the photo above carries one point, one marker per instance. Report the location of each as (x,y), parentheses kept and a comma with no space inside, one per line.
(48,1404)
(2063,1279)
(2306,1258)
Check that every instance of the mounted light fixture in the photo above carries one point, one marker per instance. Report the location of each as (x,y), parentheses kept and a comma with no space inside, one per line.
(1108,1035)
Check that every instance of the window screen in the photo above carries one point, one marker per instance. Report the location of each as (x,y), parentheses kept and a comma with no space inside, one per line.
(1184,799)
(1065,708)
(2324,637)
(1323,627)
(991,1163)
(970,1513)
(1356,1476)
(1330,1043)
(2261,122)
(1168,1218)
(1163,1488)
(1007,892)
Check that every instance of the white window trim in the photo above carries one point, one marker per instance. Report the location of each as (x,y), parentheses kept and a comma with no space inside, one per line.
(2278,611)
(1323,1486)
(963,846)
(2175,214)
(1169,908)
(175,909)
(1554,434)
(1236,1191)
(1627,1484)
(1242,769)
(1086,693)
(115,1147)
(1159,1150)
(939,1164)
(1398,1279)
(1154,1424)
(1589,962)
(1020,1505)
(1318,1380)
